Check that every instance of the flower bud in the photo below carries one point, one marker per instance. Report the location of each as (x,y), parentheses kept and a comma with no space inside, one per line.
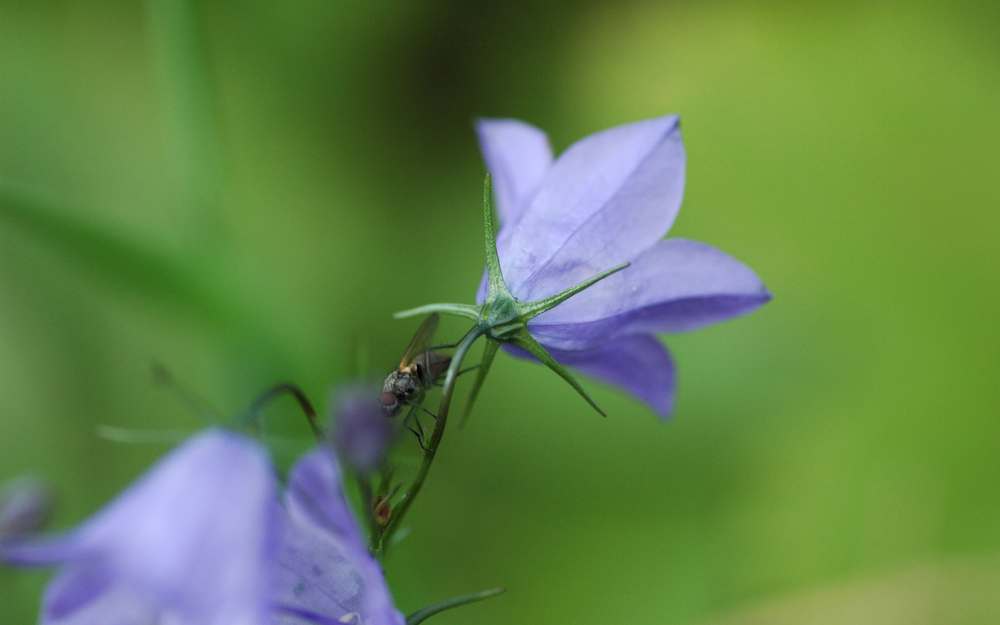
(382,510)
(361,434)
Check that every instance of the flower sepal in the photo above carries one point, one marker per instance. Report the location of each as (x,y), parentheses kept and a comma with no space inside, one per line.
(468,311)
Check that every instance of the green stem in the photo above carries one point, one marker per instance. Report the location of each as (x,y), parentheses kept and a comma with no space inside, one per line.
(484,368)
(364,485)
(442,420)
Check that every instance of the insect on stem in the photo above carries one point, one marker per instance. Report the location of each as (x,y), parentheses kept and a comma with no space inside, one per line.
(431,449)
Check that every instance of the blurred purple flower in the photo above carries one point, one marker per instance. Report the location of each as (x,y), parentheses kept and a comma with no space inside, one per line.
(185,544)
(201,539)
(326,574)
(361,433)
(608,199)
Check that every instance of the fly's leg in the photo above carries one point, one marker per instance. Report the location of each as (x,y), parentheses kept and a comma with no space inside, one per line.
(412,413)
(415,405)
(437,347)
(466,370)
(450,345)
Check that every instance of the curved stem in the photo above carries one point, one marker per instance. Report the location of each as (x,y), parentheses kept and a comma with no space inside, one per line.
(296,392)
(442,420)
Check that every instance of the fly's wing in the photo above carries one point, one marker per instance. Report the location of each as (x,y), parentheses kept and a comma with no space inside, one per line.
(421,340)
(435,364)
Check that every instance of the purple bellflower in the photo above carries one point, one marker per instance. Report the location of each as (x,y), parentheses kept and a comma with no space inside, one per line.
(579,273)
(607,200)
(202,539)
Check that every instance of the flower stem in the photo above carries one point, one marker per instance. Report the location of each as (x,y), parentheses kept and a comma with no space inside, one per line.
(365,487)
(442,420)
(253,412)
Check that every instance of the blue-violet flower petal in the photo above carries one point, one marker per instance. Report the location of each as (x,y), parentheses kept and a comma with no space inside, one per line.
(187,543)
(326,571)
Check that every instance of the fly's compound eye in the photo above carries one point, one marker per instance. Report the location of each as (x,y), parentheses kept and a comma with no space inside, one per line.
(389,403)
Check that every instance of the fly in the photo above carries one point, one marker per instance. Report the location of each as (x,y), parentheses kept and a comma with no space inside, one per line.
(419,369)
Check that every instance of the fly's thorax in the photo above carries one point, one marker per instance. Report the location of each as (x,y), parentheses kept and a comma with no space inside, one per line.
(402,384)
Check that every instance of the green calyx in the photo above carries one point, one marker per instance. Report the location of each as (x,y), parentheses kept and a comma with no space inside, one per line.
(502,318)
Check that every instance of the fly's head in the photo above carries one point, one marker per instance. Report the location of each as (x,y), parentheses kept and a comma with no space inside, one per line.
(399,387)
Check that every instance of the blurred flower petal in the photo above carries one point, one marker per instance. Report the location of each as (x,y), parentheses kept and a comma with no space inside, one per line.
(187,543)
(325,569)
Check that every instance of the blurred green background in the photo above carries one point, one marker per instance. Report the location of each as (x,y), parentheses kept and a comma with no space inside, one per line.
(245,192)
